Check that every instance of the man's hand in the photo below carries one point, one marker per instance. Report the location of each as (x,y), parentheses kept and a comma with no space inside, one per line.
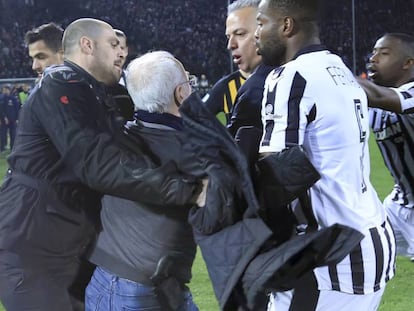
(201,199)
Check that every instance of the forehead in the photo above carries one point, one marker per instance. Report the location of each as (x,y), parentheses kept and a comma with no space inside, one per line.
(122,40)
(268,12)
(107,34)
(389,43)
(39,47)
(241,18)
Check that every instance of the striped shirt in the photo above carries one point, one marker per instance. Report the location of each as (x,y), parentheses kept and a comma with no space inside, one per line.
(315,101)
(406,96)
(394,134)
(223,94)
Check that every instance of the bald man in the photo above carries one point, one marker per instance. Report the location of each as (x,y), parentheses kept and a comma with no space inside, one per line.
(67,153)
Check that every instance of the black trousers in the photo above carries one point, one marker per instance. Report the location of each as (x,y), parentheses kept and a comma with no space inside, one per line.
(57,284)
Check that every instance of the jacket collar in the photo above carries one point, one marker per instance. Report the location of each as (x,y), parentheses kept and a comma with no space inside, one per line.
(165,119)
(310,49)
(88,77)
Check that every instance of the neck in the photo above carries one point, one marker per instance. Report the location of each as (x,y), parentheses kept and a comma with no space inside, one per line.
(245,74)
(404,80)
(299,42)
(174,109)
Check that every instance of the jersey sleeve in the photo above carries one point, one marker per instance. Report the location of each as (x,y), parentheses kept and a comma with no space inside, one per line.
(406,96)
(285,110)
(80,131)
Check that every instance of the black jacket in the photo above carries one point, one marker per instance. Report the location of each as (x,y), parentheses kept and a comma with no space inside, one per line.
(243,259)
(66,154)
(248,103)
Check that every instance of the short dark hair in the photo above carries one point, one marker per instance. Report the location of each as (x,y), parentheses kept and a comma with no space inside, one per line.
(305,9)
(406,39)
(50,33)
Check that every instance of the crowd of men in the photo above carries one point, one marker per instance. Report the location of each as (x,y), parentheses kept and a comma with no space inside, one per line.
(191,30)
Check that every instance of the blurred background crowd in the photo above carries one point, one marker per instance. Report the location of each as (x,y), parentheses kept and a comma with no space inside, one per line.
(193,30)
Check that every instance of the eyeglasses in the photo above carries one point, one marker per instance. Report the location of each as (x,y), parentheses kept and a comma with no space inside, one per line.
(192,81)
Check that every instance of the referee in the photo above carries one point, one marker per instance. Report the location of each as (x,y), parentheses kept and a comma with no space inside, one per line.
(240,27)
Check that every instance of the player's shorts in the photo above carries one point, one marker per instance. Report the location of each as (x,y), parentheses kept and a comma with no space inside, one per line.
(402,220)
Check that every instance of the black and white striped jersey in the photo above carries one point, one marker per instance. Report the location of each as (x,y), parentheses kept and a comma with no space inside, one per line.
(394,134)
(315,101)
(405,93)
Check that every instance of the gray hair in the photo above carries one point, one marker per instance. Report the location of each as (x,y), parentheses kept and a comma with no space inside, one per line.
(240,4)
(152,79)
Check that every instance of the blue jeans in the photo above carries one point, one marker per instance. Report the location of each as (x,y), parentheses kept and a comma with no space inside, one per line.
(107,292)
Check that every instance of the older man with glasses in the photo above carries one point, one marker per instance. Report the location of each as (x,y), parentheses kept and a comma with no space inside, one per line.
(145,252)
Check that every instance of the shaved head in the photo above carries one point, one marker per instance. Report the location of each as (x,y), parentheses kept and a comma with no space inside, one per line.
(93,45)
(88,27)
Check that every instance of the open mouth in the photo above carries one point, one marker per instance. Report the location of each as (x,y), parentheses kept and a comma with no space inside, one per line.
(236,59)
(372,72)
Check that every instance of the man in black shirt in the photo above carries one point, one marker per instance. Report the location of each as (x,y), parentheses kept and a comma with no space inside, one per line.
(240,27)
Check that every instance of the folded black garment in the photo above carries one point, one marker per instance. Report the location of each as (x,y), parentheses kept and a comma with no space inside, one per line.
(279,268)
(283,177)
(287,174)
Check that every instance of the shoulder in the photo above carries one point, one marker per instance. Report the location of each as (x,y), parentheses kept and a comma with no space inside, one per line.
(62,74)
(408,87)
(258,78)
(224,81)
(406,95)
(263,70)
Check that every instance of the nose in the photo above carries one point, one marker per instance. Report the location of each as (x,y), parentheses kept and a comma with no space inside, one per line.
(36,66)
(231,43)
(256,33)
(373,58)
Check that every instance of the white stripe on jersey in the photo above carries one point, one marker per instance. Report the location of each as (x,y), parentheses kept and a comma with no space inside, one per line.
(369,266)
(406,95)
(315,101)
(394,134)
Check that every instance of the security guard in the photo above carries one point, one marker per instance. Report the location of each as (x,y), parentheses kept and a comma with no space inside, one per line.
(65,156)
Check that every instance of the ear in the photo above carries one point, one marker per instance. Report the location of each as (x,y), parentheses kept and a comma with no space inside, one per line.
(86,45)
(289,26)
(409,63)
(178,94)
